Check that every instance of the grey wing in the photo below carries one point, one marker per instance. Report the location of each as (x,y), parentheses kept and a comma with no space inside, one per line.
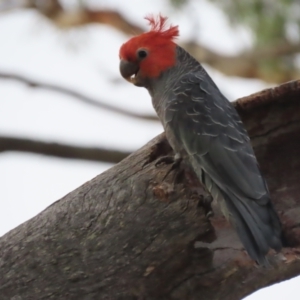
(211,132)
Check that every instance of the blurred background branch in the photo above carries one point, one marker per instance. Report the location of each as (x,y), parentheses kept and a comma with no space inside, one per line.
(61,150)
(78,96)
(283,92)
(274,26)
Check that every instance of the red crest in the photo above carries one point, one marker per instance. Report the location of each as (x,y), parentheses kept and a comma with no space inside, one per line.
(158,25)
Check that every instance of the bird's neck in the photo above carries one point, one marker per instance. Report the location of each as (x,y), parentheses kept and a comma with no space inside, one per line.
(161,87)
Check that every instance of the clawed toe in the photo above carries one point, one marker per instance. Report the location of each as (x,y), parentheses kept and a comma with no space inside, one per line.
(167,160)
(205,202)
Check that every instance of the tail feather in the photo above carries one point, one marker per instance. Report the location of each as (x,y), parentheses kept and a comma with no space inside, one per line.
(257,226)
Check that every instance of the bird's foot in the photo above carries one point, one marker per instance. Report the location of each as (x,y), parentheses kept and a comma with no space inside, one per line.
(166,160)
(174,160)
(205,202)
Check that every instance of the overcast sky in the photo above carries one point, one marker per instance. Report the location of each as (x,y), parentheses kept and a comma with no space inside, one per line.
(86,60)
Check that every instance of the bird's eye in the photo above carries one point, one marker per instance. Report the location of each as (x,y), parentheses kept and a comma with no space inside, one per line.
(142,53)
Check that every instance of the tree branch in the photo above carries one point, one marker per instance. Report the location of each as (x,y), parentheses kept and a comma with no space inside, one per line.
(81,97)
(61,150)
(129,234)
(287,90)
(247,64)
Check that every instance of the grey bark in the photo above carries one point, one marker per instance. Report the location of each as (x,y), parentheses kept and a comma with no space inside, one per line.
(129,234)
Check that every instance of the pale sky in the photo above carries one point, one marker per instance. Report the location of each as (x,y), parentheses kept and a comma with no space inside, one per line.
(86,60)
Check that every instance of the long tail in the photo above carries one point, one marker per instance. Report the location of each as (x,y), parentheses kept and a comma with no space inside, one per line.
(258,226)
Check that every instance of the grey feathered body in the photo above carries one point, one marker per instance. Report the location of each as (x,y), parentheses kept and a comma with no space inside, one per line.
(204,128)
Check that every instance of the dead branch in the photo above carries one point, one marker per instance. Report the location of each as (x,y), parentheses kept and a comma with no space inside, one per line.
(127,234)
(77,95)
(61,150)
(247,64)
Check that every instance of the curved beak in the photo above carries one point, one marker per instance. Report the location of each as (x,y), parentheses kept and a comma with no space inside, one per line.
(128,70)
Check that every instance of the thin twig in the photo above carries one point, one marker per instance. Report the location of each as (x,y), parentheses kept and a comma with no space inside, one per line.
(61,150)
(77,95)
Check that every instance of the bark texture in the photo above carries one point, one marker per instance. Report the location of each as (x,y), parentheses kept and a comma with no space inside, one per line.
(129,234)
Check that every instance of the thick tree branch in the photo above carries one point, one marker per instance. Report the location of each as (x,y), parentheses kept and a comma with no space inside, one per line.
(77,95)
(61,150)
(129,234)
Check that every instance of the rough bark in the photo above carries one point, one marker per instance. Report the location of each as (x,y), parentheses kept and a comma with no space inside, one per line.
(129,234)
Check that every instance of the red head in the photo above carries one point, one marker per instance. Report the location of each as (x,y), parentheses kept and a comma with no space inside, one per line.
(149,54)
